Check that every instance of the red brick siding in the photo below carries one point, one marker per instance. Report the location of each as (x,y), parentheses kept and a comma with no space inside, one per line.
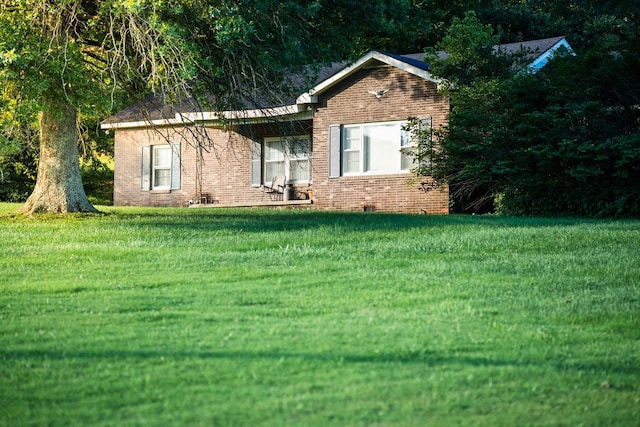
(227,164)
(226,172)
(350,103)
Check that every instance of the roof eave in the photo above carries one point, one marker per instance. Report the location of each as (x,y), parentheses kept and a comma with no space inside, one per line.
(290,112)
(263,115)
(141,123)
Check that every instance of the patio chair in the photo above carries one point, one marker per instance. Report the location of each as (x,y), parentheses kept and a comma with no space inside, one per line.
(275,189)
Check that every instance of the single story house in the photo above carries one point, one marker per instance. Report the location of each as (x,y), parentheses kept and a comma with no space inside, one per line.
(338,146)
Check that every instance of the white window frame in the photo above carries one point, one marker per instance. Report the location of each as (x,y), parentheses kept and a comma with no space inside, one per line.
(274,158)
(408,145)
(155,167)
(289,156)
(403,143)
(150,169)
(352,148)
(256,163)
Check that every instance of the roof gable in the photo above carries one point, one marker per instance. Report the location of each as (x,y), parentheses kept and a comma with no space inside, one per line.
(540,52)
(371,58)
(535,48)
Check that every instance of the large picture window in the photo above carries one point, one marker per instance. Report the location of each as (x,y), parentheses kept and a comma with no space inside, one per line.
(370,148)
(160,167)
(289,157)
(374,148)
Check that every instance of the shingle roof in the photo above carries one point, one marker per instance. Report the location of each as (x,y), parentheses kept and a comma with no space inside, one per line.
(149,109)
(415,59)
(534,48)
(153,108)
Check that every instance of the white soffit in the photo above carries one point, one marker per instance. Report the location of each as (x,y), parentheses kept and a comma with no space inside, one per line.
(213,118)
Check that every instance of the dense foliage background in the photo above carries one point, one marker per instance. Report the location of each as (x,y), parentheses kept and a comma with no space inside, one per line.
(562,141)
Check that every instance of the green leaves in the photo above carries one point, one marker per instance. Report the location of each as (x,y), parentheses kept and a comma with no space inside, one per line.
(544,143)
(562,141)
(8,57)
(470,54)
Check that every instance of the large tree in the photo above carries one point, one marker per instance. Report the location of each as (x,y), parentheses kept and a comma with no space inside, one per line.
(66,57)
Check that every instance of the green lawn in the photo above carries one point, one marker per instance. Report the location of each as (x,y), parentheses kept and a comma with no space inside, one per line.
(187,317)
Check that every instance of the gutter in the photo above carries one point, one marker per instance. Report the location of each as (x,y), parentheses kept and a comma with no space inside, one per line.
(210,118)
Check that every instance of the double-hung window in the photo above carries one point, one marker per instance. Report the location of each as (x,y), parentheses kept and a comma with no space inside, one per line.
(289,157)
(161,170)
(274,159)
(299,150)
(352,150)
(160,167)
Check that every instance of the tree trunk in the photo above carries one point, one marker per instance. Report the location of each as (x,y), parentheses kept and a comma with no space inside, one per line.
(58,184)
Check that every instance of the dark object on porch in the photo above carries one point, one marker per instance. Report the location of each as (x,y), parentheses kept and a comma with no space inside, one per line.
(302,194)
(206,199)
(290,192)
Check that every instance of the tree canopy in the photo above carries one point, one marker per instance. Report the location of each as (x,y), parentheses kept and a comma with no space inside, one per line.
(562,141)
(67,64)
(71,59)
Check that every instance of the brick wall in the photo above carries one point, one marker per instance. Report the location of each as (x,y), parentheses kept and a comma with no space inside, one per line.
(349,102)
(227,158)
(226,169)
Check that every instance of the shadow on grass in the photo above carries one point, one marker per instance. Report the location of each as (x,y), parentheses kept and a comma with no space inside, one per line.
(257,220)
(426,358)
(263,220)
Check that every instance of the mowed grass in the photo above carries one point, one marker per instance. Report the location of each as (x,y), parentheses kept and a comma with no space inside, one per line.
(187,317)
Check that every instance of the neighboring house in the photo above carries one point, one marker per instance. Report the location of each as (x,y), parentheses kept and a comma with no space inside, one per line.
(338,145)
